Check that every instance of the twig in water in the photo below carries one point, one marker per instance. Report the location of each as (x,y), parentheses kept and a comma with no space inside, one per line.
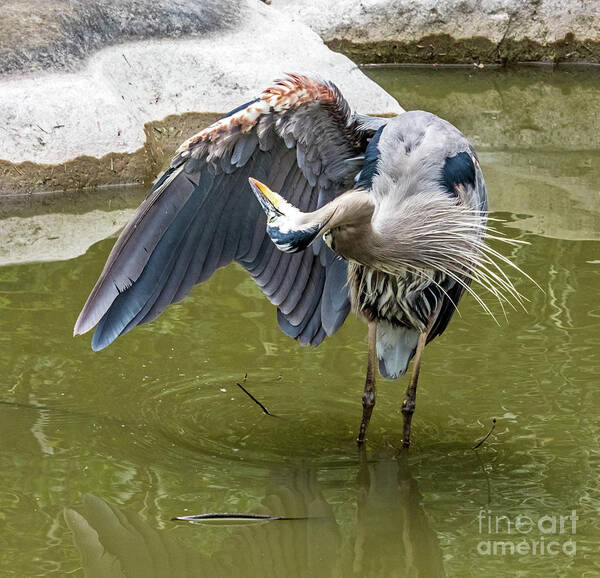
(265,410)
(236,517)
(487,436)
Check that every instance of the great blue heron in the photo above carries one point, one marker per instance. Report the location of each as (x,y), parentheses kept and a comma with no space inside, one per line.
(386,216)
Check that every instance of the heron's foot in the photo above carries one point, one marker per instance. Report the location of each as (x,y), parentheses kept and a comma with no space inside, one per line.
(408,409)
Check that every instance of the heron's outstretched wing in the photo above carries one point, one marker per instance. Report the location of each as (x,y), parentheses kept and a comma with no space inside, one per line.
(298,137)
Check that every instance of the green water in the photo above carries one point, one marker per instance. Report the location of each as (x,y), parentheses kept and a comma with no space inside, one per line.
(99,451)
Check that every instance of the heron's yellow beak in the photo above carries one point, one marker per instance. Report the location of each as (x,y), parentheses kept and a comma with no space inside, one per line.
(269,200)
(286,224)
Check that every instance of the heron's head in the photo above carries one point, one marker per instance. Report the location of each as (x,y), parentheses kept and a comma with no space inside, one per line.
(289,228)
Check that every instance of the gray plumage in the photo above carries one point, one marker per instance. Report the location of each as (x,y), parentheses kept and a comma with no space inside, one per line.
(411,165)
(411,230)
(386,215)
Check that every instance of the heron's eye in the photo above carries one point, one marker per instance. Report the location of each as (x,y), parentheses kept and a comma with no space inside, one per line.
(272,219)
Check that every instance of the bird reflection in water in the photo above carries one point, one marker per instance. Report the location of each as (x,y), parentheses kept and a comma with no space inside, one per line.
(389,536)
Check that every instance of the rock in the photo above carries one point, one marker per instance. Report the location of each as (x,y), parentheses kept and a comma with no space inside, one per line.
(454,30)
(543,190)
(58,34)
(58,227)
(163,58)
(56,237)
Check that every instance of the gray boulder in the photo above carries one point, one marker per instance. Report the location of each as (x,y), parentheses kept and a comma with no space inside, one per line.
(59,34)
(454,30)
(84,78)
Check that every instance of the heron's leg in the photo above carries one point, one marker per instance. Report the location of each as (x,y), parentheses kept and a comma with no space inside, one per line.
(368,398)
(410,399)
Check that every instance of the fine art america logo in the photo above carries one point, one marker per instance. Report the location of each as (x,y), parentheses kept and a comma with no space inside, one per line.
(523,535)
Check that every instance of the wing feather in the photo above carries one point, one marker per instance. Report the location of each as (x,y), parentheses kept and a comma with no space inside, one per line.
(297,289)
(134,247)
(200,215)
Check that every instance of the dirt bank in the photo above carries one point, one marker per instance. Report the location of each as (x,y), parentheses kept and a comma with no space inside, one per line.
(141,166)
(443,49)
